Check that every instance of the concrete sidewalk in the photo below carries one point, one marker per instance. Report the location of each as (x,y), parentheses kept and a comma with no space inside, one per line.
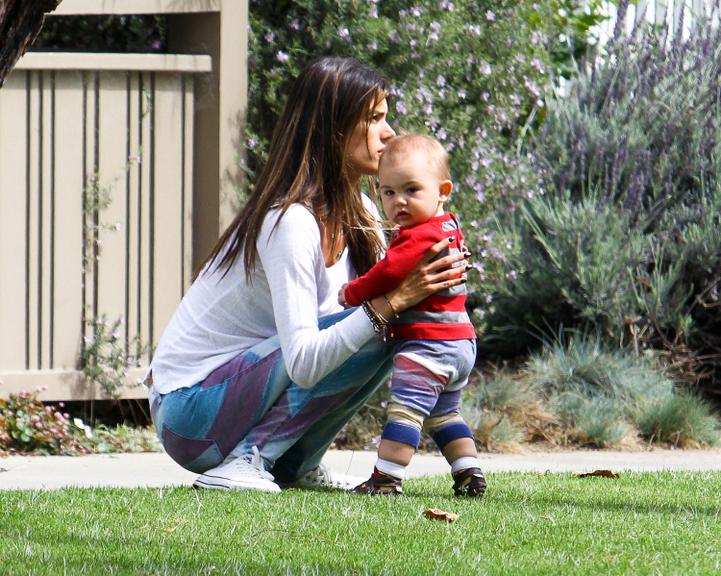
(157,469)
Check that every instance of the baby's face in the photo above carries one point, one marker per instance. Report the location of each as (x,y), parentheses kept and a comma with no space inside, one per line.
(411,188)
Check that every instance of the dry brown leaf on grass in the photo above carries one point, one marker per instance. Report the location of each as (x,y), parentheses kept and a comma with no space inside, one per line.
(596,473)
(436,514)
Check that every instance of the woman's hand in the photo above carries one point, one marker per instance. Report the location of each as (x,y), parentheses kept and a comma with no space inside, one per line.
(427,278)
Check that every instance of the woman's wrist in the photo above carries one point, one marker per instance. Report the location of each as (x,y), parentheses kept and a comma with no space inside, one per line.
(386,306)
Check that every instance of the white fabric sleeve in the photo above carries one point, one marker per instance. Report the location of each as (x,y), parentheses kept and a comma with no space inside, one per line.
(292,259)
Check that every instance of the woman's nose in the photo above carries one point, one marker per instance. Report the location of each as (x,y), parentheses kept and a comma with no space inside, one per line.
(388,132)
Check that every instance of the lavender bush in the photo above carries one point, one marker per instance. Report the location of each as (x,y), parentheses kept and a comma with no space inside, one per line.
(627,238)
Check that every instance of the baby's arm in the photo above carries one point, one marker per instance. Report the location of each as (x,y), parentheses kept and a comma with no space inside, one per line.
(401,257)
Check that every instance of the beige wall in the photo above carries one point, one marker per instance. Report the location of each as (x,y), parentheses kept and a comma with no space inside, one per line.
(135,124)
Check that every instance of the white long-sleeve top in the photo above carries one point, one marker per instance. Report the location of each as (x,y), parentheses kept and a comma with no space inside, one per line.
(290,289)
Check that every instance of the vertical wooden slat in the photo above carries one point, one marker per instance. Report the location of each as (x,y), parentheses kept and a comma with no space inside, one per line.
(51,251)
(13,236)
(134,137)
(126,228)
(45,221)
(86,203)
(144,203)
(187,167)
(32,218)
(96,191)
(68,240)
(151,209)
(168,198)
(112,174)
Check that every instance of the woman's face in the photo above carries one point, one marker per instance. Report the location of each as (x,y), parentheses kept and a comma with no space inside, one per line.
(365,148)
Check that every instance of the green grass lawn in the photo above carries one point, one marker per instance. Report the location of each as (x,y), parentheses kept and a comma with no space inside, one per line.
(650,523)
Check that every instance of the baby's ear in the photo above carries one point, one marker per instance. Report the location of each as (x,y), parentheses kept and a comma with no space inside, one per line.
(445,188)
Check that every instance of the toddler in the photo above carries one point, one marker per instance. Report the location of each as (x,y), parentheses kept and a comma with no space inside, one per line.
(434,341)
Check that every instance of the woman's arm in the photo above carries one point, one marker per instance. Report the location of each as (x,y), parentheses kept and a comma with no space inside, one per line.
(292,260)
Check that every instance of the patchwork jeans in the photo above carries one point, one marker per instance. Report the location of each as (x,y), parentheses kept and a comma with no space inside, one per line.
(251,401)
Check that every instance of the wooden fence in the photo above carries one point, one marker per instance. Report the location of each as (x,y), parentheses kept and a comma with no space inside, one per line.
(101,188)
(658,11)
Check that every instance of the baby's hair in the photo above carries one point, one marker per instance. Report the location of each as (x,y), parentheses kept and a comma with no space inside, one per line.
(411,143)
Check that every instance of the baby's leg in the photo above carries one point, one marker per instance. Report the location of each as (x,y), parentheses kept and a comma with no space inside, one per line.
(415,386)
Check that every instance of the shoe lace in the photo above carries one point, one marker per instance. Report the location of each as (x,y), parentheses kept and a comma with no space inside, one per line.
(252,465)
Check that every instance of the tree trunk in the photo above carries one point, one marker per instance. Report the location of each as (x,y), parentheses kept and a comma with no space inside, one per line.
(20,22)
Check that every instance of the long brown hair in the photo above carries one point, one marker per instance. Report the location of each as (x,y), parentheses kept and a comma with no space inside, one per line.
(307,163)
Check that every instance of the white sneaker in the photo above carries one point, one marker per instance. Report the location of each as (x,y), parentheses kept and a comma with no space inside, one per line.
(245,473)
(322,477)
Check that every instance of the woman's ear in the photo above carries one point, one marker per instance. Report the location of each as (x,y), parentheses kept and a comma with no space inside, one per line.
(445,188)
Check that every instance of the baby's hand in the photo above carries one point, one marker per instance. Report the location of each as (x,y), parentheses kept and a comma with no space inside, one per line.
(341,296)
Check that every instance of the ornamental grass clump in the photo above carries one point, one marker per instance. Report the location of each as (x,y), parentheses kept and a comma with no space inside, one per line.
(504,411)
(626,239)
(683,421)
(608,398)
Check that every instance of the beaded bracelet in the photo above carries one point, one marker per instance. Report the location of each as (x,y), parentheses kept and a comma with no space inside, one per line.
(380,326)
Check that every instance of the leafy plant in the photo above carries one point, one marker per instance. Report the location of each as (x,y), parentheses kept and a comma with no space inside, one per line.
(27,425)
(106,356)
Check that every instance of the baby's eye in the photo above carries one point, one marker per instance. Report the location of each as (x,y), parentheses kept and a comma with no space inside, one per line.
(411,189)
(388,193)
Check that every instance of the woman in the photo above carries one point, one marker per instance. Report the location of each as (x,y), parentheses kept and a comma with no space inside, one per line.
(259,368)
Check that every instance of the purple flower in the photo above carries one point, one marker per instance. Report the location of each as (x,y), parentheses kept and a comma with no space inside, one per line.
(269,37)
(281,57)
(533,88)
(394,37)
(295,24)
(344,34)
(490,16)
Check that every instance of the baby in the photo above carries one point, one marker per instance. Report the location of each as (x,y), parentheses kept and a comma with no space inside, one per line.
(435,347)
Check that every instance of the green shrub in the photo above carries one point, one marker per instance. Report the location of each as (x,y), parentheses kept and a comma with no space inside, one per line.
(470,73)
(626,238)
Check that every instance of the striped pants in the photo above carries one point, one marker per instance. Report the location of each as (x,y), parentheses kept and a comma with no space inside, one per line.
(428,378)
